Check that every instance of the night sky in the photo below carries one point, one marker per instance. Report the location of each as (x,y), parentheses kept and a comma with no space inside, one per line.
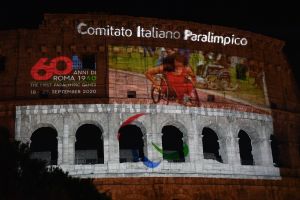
(280,19)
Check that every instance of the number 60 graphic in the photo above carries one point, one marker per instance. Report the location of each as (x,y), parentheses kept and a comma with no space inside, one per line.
(42,72)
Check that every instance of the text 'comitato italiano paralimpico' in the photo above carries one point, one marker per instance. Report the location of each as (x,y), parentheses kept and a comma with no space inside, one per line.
(156,33)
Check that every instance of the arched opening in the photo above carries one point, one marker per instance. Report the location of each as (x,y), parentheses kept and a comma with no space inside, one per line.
(131,144)
(4,134)
(43,145)
(89,145)
(275,150)
(210,145)
(245,148)
(172,144)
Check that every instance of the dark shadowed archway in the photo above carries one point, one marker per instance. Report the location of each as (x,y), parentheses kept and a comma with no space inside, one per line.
(4,134)
(275,150)
(89,145)
(131,144)
(245,148)
(210,145)
(172,143)
(44,145)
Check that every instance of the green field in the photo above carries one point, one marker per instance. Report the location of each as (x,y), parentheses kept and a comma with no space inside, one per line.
(133,61)
(246,90)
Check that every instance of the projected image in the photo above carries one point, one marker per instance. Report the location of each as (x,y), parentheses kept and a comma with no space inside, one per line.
(175,76)
(64,76)
(173,80)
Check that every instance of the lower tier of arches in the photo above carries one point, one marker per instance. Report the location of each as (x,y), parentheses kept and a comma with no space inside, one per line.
(117,140)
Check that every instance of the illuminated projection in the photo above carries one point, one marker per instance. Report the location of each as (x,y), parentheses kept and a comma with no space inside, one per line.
(174,76)
(64,75)
(174,155)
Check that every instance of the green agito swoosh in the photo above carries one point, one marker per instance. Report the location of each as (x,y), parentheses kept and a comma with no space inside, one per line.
(174,155)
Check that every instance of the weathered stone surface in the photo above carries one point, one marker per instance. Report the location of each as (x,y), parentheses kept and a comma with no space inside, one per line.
(66,121)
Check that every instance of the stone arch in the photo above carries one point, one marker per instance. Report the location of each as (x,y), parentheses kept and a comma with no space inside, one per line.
(131,143)
(211,147)
(252,130)
(44,144)
(41,125)
(245,148)
(213,126)
(141,125)
(93,122)
(178,127)
(89,149)
(221,134)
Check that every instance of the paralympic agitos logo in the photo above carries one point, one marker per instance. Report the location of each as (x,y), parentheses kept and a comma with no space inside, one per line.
(167,156)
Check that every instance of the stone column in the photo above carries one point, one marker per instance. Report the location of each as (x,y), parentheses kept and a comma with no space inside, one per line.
(68,146)
(154,136)
(194,142)
(268,161)
(105,140)
(232,150)
(152,153)
(25,140)
(199,148)
(18,123)
(71,149)
(234,157)
(262,152)
(232,146)
(267,145)
(223,143)
(111,151)
(261,148)
(59,150)
(195,149)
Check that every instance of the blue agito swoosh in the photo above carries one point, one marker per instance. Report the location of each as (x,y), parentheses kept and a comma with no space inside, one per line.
(149,163)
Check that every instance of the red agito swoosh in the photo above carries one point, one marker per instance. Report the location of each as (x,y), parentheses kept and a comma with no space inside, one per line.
(129,120)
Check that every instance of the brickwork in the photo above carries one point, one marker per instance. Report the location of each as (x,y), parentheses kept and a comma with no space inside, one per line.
(199,188)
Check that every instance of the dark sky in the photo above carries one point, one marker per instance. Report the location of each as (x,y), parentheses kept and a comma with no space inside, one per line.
(279,19)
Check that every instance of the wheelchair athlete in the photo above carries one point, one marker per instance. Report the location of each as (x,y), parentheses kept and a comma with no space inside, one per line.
(179,77)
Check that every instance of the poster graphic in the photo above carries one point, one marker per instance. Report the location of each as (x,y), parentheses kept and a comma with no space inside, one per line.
(64,76)
(175,76)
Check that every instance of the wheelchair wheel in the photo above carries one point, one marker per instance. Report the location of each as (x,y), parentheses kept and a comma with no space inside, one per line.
(162,94)
(192,99)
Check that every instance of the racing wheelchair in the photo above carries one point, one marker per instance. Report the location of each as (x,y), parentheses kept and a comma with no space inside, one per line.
(166,93)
